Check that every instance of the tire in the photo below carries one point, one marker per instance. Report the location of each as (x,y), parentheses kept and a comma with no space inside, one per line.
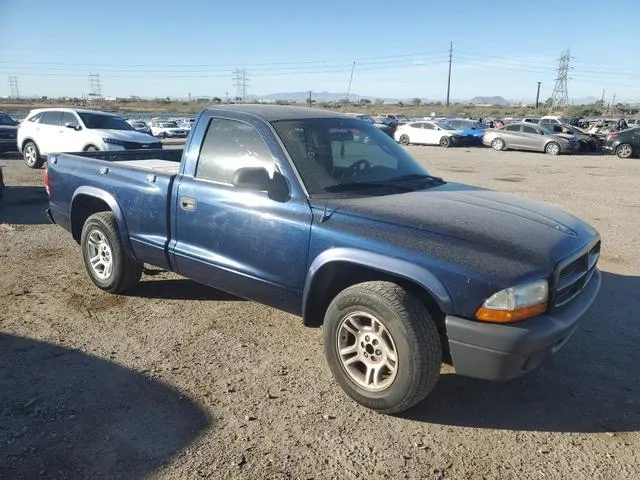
(406,332)
(624,151)
(31,155)
(498,144)
(91,148)
(445,142)
(101,238)
(404,139)
(552,148)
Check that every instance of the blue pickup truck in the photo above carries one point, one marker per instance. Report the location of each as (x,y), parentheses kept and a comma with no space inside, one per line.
(324,216)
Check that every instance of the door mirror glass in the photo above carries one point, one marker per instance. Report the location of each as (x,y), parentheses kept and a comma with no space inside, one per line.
(252,178)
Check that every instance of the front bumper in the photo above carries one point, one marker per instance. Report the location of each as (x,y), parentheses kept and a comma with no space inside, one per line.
(504,351)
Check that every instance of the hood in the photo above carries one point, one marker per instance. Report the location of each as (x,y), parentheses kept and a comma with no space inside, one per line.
(125,135)
(498,222)
(8,131)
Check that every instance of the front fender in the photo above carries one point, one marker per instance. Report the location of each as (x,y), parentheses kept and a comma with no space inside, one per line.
(111,202)
(389,265)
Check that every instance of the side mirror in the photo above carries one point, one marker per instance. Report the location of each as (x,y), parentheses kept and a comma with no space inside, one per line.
(252,178)
(72,125)
(257,179)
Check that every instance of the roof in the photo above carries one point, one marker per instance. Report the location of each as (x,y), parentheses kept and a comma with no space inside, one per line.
(272,113)
(66,109)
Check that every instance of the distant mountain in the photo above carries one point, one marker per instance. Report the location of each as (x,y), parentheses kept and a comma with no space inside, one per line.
(304,96)
(489,101)
(583,100)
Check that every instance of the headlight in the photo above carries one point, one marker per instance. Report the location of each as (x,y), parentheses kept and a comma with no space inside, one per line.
(112,141)
(515,303)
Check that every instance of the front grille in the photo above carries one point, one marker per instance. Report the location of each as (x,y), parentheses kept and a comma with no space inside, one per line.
(573,277)
(138,145)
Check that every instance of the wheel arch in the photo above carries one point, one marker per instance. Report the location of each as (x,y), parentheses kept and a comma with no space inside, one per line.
(339,268)
(25,140)
(89,200)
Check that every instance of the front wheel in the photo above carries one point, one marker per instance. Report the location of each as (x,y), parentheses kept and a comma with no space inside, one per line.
(382,346)
(498,144)
(105,257)
(445,142)
(404,139)
(552,148)
(31,155)
(624,151)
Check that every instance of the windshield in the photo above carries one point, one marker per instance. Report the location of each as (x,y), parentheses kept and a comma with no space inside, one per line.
(168,125)
(334,151)
(7,120)
(446,126)
(367,118)
(546,129)
(107,122)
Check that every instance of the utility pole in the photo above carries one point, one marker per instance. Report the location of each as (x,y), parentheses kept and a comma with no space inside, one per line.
(560,95)
(449,77)
(13,85)
(613,104)
(350,78)
(602,101)
(538,96)
(310,101)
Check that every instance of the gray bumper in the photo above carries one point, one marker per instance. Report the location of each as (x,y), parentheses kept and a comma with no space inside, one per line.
(501,351)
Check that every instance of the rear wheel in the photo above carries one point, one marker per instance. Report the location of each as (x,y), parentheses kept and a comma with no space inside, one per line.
(382,346)
(31,155)
(624,151)
(445,142)
(497,144)
(552,148)
(105,257)
(404,139)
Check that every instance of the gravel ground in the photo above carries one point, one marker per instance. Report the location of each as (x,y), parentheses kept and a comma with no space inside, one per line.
(179,381)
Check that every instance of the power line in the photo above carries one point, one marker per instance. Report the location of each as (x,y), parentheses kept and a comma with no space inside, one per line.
(13,86)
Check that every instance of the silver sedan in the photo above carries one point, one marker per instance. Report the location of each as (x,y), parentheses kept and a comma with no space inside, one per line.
(527,136)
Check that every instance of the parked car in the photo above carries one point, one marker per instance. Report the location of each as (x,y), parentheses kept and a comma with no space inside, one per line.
(527,136)
(167,129)
(555,120)
(8,133)
(1,183)
(530,120)
(140,126)
(49,130)
(398,119)
(469,129)
(386,128)
(282,206)
(426,133)
(588,143)
(186,123)
(625,143)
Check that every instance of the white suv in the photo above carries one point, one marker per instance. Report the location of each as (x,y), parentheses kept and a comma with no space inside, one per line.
(52,130)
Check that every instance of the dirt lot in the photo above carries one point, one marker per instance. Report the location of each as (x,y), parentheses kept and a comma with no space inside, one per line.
(178,381)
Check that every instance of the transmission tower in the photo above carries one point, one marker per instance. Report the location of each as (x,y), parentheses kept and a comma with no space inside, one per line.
(13,85)
(240,81)
(95,87)
(560,95)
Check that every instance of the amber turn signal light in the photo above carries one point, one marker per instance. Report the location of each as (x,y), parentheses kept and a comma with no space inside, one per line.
(508,316)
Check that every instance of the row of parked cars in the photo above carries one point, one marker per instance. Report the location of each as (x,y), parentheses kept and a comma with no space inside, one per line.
(67,130)
(551,134)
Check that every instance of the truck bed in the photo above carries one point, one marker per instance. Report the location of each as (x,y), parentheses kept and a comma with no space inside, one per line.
(132,156)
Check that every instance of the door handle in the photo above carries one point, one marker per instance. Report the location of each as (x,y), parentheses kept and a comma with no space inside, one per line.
(188,204)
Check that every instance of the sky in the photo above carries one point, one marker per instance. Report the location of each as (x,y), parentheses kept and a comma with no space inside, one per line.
(164,48)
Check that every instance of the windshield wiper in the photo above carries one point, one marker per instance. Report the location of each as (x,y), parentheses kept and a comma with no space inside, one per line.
(395,182)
